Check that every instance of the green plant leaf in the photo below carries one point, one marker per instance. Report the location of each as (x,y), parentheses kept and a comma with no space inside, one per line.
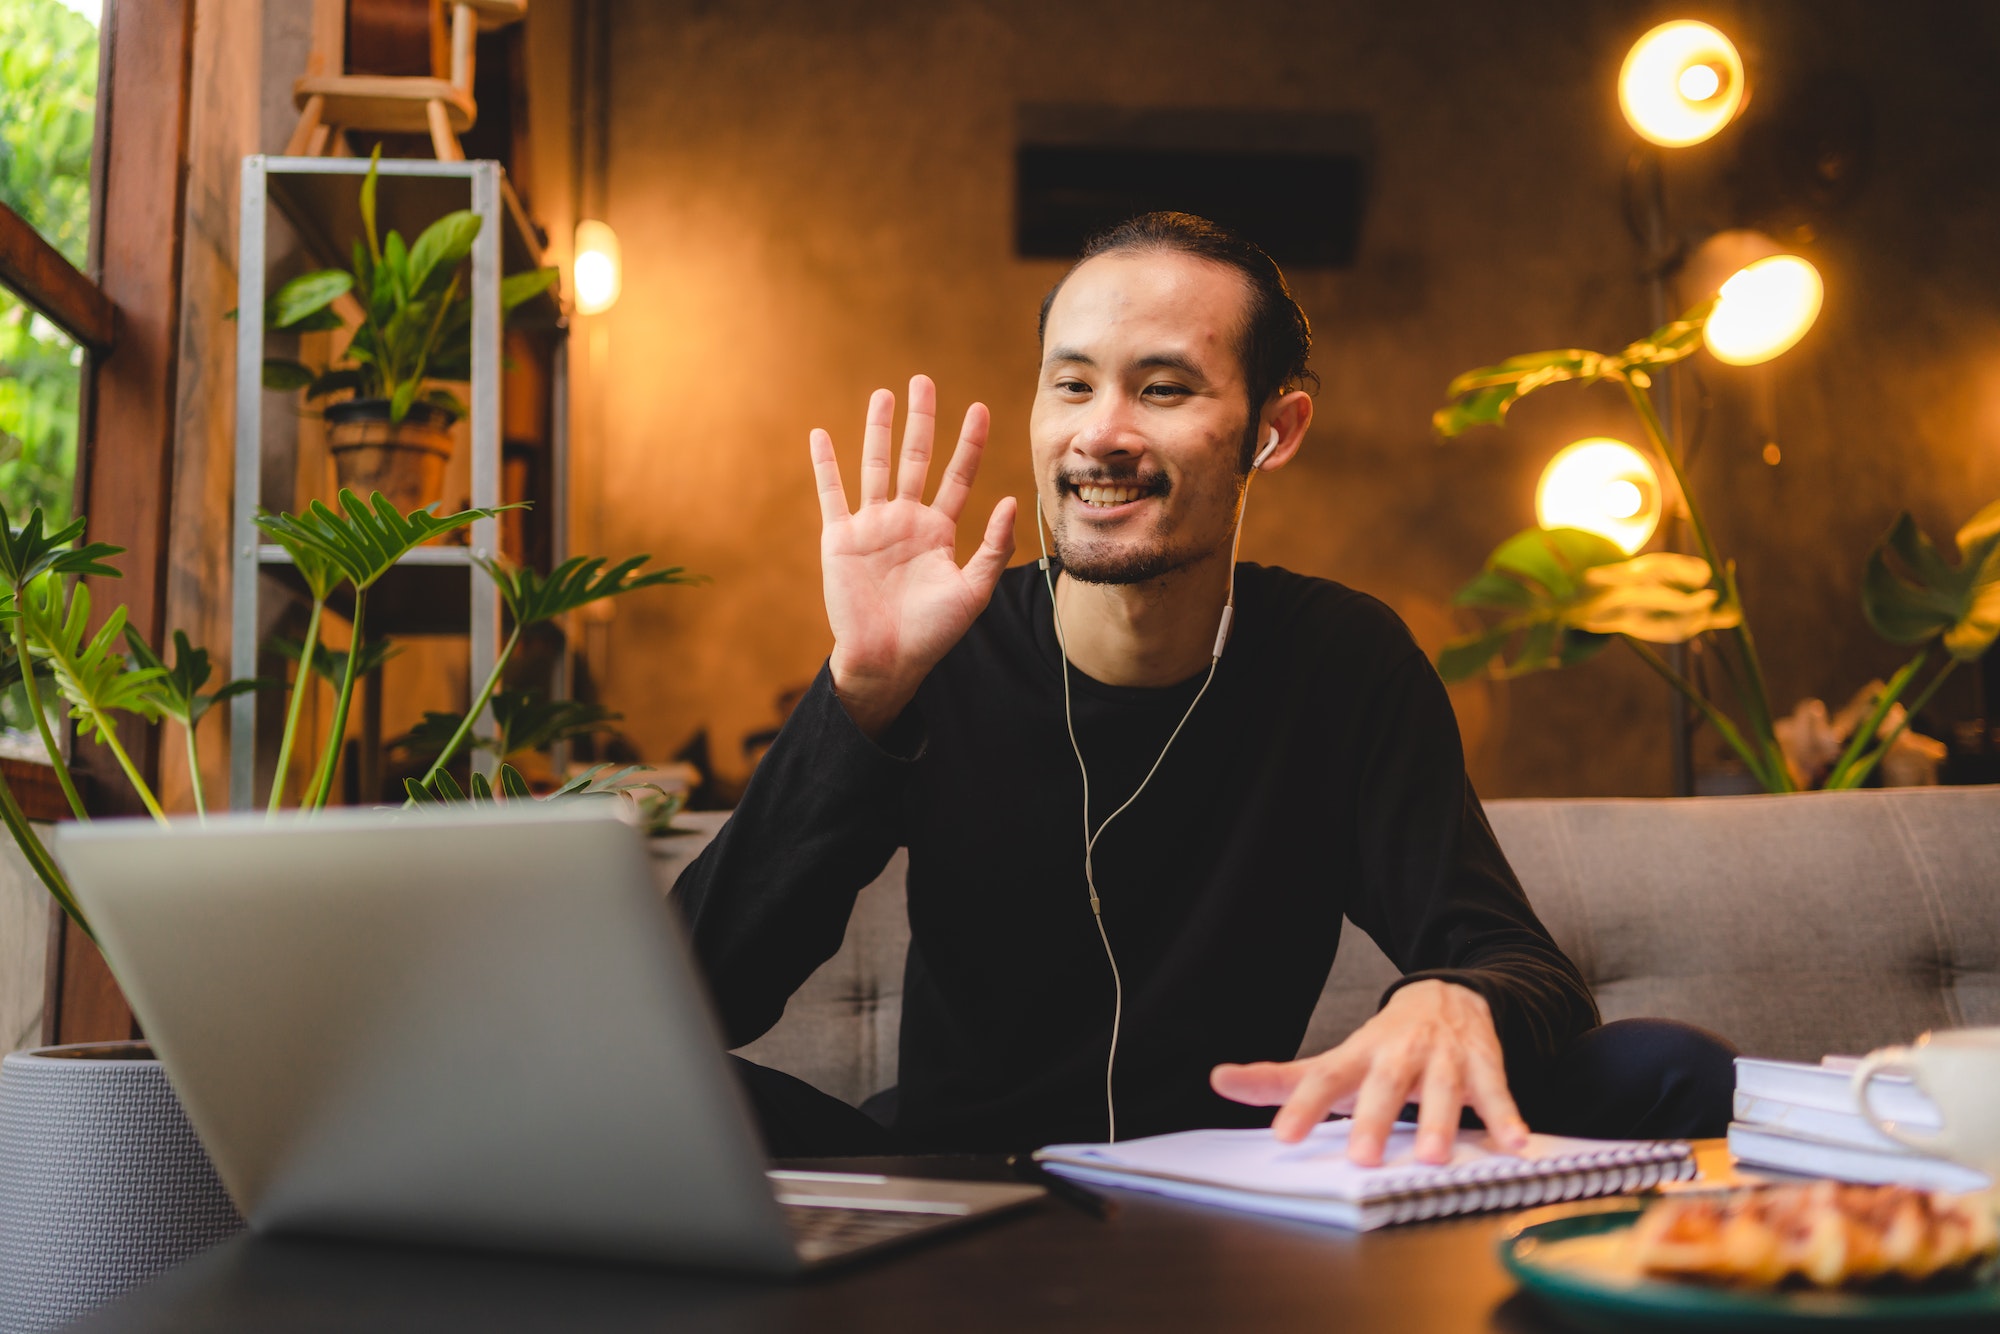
(396,264)
(518,287)
(1482,397)
(419,794)
(481,789)
(364,541)
(368,204)
(27,553)
(578,581)
(1910,592)
(445,400)
(513,785)
(1562,593)
(91,678)
(445,788)
(305,295)
(529,722)
(283,374)
(399,402)
(441,248)
(596,782)
(427,740)
(177,691)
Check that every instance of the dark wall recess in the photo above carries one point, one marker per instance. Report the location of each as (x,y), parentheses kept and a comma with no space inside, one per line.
(1292,182)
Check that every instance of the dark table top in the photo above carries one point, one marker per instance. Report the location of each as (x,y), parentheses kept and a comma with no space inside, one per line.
(1158,1265)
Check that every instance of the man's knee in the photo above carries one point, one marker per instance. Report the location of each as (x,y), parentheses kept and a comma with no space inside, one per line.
(1640,1079)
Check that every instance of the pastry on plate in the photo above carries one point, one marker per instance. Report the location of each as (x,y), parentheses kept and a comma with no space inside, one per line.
(1825,1233)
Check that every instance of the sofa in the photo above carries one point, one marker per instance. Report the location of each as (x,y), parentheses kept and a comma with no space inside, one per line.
(1795,926)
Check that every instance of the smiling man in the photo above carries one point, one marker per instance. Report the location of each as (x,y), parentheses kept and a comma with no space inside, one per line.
(1141,785)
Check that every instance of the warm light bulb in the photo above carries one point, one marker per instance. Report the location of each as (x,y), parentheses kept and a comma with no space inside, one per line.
(597,269)
(1602,486)
(1698,83)
(1763,310)
(1681,83)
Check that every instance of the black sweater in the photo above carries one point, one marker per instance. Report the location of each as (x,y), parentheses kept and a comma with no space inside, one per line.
(1320,776)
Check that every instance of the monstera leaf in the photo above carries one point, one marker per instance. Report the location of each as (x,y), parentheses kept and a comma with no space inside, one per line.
(1562,594)
(1482,397)
(1910,593)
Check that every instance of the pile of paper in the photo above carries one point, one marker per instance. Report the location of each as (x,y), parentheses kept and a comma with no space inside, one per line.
(1803,1119)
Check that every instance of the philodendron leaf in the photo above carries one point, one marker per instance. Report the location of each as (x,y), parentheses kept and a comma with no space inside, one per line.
(91,677)
(1576,592)
(1482,397)
(27,552)
(518,287)
(1663,597)
(363,541)
(531,596)
(1928,595)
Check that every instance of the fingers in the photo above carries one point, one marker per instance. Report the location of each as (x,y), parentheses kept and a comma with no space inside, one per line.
(875,447)
(1487,1092)
(826,472)
(964,465)
(1439,1102)
(919,431)
(1261,1084)
(995,547)
(1328,1079)
(1383,1094)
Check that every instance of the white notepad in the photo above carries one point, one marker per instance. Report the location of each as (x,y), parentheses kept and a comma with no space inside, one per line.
(1313,1180)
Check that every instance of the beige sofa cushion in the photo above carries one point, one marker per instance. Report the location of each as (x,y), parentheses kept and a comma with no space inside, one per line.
(1794,926)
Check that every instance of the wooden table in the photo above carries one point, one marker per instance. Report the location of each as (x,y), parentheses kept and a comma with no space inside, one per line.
(1157,1266)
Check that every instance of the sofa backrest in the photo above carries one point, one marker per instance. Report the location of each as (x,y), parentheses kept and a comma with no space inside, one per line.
(1794,926)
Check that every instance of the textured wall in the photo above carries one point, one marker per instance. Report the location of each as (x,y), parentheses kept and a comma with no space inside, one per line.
(815,199)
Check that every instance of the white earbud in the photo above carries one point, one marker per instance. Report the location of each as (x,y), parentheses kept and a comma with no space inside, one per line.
(1270,444)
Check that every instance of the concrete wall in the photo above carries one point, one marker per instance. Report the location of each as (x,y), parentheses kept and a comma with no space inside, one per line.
(816,199)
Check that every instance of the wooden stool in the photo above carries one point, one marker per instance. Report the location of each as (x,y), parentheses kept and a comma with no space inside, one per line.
(332,101)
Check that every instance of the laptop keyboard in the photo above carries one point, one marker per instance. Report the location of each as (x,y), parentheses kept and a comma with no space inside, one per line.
(823,1232)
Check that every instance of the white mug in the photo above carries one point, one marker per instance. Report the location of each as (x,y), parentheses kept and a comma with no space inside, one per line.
(1959,1069)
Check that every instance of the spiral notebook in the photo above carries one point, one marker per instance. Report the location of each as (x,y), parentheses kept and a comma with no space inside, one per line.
(1313,1180)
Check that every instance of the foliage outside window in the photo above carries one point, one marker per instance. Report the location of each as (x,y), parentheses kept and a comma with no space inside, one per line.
(48,101)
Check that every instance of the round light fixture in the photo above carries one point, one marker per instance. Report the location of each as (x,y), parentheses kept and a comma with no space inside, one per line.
(1681,83)
(1602,486)
(1763,309)
(597,268)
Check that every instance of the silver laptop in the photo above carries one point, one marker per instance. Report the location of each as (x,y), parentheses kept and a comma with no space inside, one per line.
(476,1027)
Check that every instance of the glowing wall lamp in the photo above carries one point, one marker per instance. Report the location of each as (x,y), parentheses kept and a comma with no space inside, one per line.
(1766,299)
(1681,83)
(597,269)
(1602,486)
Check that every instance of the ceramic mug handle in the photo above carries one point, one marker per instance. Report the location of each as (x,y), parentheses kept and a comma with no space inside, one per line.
(1891,1061)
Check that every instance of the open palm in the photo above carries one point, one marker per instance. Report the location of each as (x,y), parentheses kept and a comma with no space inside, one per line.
(896,597)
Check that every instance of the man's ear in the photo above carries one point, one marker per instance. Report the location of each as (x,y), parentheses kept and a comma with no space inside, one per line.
(1290,414)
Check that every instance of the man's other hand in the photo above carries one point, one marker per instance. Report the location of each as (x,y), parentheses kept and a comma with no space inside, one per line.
(1433,1044)
(896,597)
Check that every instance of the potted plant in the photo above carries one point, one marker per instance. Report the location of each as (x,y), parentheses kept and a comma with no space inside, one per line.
(392,431)
(104,1183)
(1554,598)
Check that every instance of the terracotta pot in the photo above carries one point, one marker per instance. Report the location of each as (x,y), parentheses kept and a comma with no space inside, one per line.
(403,460)
(102,1181)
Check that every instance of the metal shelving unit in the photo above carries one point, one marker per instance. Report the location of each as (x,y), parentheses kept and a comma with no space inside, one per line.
(320,199)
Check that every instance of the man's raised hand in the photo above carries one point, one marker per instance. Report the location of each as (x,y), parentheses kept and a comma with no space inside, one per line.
(896,596)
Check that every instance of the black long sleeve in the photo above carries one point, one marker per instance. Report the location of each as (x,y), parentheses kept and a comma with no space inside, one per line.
(1320,776)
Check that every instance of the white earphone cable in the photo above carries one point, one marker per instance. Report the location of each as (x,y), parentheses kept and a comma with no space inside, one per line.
(1069,723)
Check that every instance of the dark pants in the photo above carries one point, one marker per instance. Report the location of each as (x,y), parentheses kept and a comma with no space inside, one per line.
(1633,1079)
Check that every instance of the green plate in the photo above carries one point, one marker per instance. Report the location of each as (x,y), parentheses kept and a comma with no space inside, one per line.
(1612,1303)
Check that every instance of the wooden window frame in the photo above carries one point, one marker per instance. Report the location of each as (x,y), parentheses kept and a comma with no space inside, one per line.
(125,312)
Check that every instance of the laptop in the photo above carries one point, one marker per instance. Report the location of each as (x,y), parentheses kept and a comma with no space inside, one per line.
(476,1027)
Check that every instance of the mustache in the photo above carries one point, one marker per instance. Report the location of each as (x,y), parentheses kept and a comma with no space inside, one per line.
(1156,484)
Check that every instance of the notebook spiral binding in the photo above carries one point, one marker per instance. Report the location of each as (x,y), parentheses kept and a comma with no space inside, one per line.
(1511,1183)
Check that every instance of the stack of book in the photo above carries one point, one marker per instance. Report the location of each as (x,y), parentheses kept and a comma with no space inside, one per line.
(1803,1119)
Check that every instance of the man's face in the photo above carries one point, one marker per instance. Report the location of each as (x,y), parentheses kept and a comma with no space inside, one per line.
(1140,415)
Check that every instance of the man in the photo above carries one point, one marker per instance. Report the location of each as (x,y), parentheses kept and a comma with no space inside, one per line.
(1131,843)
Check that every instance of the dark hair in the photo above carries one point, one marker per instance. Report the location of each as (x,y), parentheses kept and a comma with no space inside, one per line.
(1276,338)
